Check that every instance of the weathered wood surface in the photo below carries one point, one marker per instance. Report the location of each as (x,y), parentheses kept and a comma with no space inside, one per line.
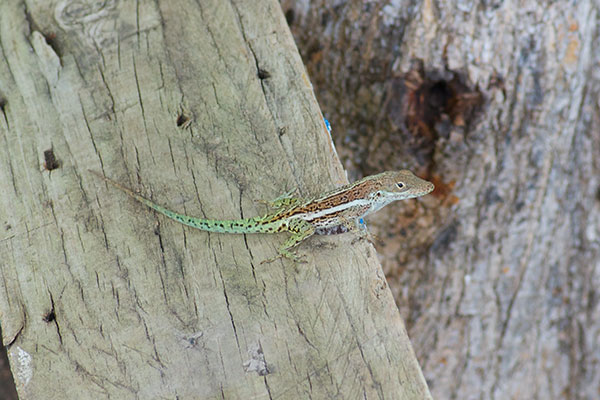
(204,107)
(498,279)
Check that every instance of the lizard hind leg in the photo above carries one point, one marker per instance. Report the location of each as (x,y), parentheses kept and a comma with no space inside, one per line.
(301,230)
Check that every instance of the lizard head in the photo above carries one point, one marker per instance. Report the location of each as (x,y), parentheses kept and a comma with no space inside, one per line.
(400,185)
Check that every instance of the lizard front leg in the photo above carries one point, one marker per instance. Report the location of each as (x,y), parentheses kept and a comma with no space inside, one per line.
(359,227)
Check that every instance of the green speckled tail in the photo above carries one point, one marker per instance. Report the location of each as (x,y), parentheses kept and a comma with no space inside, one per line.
(247,225)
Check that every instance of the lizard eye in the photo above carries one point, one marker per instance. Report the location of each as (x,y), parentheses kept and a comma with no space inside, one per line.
(400,185)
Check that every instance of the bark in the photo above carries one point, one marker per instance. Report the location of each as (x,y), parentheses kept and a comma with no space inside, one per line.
(497,274)
(203,107)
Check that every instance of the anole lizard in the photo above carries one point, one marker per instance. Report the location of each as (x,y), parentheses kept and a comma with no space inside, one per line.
(337,211)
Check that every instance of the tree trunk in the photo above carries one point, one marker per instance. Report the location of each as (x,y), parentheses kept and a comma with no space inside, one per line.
(497,275)
(203,107)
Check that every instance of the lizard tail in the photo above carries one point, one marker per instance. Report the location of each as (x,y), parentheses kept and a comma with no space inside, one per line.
(247,225)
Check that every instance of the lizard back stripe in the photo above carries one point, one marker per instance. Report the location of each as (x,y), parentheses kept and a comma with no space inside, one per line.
(339,200)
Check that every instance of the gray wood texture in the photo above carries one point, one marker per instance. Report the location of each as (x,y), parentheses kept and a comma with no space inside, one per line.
(203,107)
(497,276)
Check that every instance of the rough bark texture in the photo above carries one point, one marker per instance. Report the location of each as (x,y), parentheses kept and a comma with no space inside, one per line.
(202,106)
(498,101)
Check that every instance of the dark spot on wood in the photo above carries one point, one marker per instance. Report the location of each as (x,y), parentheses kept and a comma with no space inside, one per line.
(425,105)
(497,82)
(492,196)
(290,15)
(52,42)
(49,316)
(263,74)
(183,120)
(282,131)
(444,238)
(326,16)
(50,161)
(49,37)
(3,102)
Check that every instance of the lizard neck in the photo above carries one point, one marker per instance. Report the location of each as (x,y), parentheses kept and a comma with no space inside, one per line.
(377,203)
